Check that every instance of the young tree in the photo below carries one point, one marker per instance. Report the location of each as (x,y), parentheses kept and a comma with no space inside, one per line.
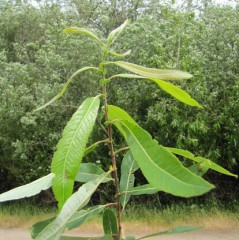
(159,164)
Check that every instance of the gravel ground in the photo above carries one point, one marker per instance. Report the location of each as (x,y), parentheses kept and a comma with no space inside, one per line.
(23,234)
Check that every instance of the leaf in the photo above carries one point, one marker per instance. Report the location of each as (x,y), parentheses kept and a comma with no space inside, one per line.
(65,87)
(109,222)
(77,201)
(154,73)
(128,167)
(116,113)
(127,75)
(173,90)
(92,147)
(198,168)
(70,149)
(130,238)
(36,228)
(143,189)
(81,216)
(119,54)
(177,93)
(116,32)
(29,189)
(181,229)
(78,218)
(88,172)
(206,162)
(74,30)
(106,237)
(161,168)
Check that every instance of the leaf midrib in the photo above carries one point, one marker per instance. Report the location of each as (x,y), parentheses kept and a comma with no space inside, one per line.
(130,172)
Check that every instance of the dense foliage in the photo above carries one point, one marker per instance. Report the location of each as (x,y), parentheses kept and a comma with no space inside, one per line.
(36,59)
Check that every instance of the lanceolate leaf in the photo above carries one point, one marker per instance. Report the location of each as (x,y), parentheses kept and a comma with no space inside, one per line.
(76,202)
(65,86)
(199,168)
(29,189)
(161,168)
(116,32)
(181,229)
(203,161)
(173,90)
(143,189)
(128,167)
(71,147)
(78,218)
(116,113)
(39,226)
(153,72)
(109,222)
(89,172)
(153,156)
(74,30)
(81,216)
(106,237)
(119,54)
(177,92)
(92,147)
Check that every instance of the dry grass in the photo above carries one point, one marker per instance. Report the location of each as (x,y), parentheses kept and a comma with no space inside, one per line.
(142,219)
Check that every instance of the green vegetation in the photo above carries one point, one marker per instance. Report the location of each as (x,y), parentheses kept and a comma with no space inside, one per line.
(159,165)
(36,58)
(210,215)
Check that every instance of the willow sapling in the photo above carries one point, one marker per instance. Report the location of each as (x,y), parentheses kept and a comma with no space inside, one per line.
(159,164)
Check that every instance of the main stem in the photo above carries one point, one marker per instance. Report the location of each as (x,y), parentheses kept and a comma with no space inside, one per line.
(113,160)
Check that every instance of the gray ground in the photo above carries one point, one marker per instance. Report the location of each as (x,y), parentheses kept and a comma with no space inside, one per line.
(23,234)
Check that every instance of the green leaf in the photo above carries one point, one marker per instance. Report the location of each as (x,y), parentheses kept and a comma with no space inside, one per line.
(36,228)
(29,189)
(181,229)
(199,168)
(65,87)
(88,172)
(130,238)
(116,32)
(177,92)
(106,237)
(80,217)
(92,147)
(109,222)
(77,201)
(128,167)
(70,149)
(203,161)
(74,30)
(120,55)
(141,190)
(173,90)
(161,168)
(116,113)
(154,73)
(127,75)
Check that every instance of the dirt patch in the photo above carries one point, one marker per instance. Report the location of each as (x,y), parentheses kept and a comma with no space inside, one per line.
(23,234)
